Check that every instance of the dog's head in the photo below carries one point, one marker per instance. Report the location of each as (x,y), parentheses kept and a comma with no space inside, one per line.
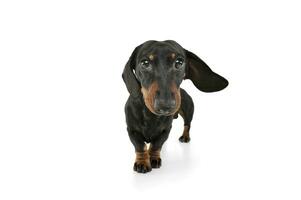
(156,70)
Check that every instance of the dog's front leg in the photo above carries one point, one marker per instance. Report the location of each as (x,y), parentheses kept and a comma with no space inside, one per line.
(142,162)
(155,149)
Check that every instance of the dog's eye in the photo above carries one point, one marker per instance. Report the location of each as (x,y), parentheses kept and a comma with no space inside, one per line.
(179,63)
(145,64)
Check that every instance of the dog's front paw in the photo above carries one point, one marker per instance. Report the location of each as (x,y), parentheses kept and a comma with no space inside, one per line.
(142,167)
(155,162)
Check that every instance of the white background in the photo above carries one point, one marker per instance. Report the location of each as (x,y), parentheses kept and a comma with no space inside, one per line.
(62,125)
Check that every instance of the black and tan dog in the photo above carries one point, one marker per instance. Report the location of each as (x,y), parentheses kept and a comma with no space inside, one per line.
(153,76)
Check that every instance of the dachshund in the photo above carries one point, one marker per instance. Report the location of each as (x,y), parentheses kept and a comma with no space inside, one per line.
(153,75)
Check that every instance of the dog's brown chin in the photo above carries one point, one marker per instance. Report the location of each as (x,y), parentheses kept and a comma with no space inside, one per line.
(149,98)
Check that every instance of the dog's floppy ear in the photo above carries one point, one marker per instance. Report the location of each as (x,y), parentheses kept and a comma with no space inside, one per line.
(129,77)
(202,76)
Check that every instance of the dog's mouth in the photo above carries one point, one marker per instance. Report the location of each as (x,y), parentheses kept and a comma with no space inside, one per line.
(164,113)
(168,110)
(161,112)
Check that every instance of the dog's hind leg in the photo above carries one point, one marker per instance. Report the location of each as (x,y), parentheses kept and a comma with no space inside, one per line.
(186,111)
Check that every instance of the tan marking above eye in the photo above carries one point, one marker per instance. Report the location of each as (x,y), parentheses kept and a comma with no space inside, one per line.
(173,55)
(151,57)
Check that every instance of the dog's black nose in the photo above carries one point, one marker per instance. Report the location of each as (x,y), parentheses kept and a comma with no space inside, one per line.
(164,107)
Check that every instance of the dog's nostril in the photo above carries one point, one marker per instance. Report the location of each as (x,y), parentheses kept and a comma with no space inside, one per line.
(158,93)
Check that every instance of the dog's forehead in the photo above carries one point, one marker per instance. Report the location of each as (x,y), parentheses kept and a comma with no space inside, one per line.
(160,48)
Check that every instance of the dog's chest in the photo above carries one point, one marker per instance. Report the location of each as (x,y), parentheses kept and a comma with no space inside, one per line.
(154,126)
